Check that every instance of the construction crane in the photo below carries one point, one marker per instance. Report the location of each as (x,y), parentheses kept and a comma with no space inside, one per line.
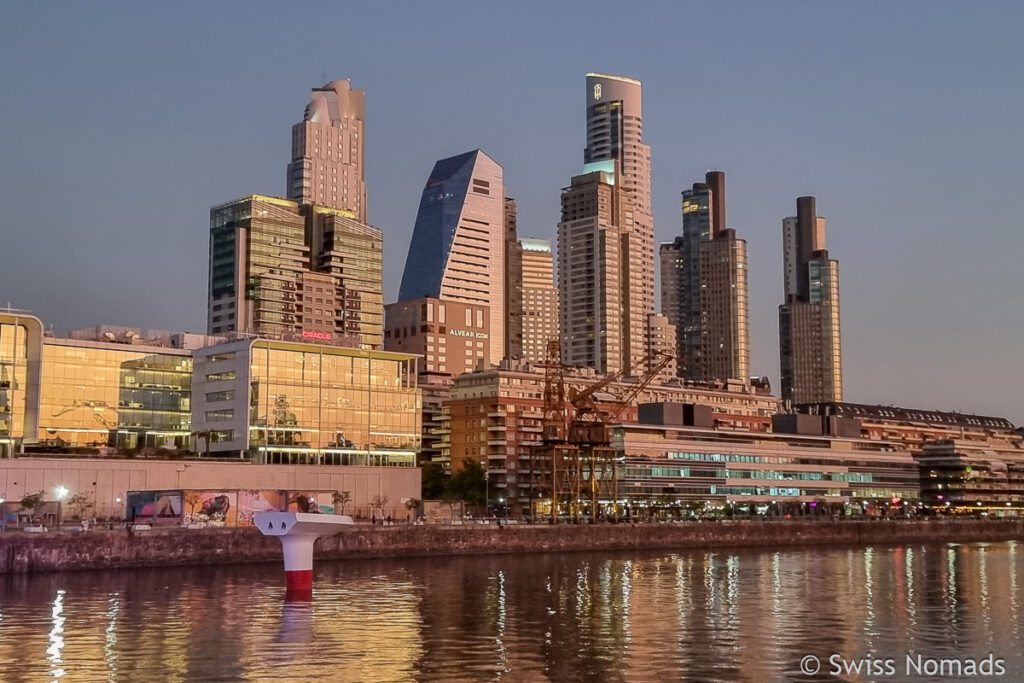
(576,448)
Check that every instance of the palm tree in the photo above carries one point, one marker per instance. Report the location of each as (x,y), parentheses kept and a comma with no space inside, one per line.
(340,499)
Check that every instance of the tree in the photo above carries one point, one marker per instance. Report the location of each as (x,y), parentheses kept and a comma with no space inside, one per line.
(80,503)
(31,502)
(434,481)
(412,504)
(379,503)
(340,499)
(469,484)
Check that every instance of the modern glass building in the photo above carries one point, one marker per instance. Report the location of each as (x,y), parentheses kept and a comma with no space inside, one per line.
(122,396)
(706,465)
(20,350)
(704,287)
(457,252)
(285,402)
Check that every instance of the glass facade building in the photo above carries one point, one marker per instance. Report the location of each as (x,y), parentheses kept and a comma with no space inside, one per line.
(114,395)
(20,347)
(293,403)
(685,463)
(457,252)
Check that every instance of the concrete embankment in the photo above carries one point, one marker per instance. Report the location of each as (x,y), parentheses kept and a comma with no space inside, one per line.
(25,553)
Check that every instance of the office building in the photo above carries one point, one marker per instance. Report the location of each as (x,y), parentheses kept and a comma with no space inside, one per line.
(704,289)
(449,336)
(539,308)
(965,477)
(670,460)
(351,253)
(280,402)
(286,271)
(457,252)
(809,337)
(327,166)
(21,341)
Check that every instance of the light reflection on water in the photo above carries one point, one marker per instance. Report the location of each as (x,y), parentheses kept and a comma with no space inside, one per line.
(716,615)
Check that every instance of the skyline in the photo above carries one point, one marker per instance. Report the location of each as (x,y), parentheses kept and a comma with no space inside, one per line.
(205,156)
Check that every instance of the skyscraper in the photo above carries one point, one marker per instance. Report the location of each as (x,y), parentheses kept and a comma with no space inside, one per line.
(539,298)
(457,252)
(327,166)
(513,284)
(809,336)
(283,270)
(611,196)
(593,275)
(704,287)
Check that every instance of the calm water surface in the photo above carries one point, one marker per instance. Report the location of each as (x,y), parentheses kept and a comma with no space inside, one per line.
(729,615)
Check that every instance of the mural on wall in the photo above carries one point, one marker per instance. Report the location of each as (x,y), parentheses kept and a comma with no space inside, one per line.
(159,508)
(252,501)
(212,508)
(321,502)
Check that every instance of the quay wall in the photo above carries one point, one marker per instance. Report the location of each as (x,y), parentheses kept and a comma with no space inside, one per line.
(26,553)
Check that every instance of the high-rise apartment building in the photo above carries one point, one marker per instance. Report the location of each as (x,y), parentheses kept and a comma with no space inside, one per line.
(704,287)
(661,342)
(285,271)
(327,166)
(593,282)
(539,298)
(513,284)
(605,302)
(457,252)
(809,337)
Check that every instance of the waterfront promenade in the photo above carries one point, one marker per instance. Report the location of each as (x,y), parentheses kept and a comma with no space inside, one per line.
(29,553)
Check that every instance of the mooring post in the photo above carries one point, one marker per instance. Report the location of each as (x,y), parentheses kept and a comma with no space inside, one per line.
(298,532)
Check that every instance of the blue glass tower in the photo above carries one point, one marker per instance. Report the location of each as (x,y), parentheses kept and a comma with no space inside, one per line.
(457,250)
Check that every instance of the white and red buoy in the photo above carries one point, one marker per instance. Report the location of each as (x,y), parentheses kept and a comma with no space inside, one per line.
(298,531)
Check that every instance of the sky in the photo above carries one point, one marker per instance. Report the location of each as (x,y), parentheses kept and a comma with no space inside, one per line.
(121,124)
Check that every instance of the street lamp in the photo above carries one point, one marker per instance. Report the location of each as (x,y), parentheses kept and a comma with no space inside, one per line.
(61,492)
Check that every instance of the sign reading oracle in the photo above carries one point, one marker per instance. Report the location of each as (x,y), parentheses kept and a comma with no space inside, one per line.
(316,335)
(468,333)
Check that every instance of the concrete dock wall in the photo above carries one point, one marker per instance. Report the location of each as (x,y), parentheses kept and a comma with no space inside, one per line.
(25,553)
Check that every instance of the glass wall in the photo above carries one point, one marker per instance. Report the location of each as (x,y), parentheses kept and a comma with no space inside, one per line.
(332,406)
(13,382)
(96,395)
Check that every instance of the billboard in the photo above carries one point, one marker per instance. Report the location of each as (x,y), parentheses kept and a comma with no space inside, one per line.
(212,508)
(251,501)
(159,508)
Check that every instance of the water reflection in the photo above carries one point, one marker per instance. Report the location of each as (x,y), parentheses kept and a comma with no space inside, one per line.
(692,616)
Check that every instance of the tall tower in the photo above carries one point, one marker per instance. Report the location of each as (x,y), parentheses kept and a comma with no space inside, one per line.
(615,145)
(457,252)
(704,287)
(513,284)
(539,298)
(809,336)
(327,166)
(593,275)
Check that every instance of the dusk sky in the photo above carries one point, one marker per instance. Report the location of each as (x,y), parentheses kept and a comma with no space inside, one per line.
(122,123)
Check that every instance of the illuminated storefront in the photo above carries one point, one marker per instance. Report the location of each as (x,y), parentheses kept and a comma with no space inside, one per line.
(296,403)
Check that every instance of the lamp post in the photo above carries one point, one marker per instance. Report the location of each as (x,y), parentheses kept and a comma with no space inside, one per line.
(61,492)
(3,512)
(487,489)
